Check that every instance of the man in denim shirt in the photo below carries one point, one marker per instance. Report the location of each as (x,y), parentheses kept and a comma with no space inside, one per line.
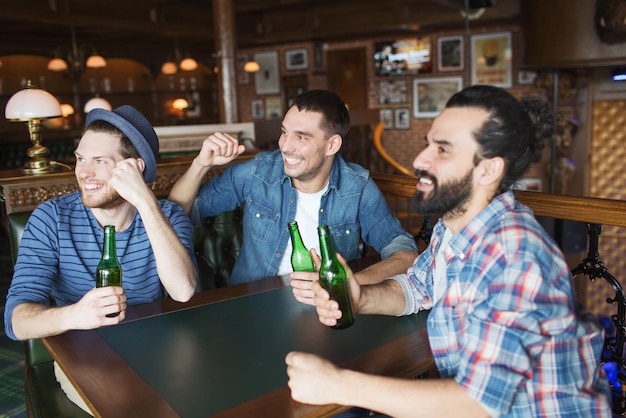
(305,180)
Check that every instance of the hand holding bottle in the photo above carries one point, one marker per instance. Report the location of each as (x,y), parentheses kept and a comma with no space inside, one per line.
(109,270)
(334,279)
(328,310)
(302,282)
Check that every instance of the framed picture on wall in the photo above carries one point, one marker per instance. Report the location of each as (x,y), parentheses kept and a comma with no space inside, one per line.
(401,118)
(386,117)
(450,53)
(431,94)
(492,59)
(273,107)
(296,59)
(266,80)
(395,91)
(258,109)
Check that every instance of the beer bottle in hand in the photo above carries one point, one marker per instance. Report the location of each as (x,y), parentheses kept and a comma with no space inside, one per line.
(109,271)
(334,279)
(301,259)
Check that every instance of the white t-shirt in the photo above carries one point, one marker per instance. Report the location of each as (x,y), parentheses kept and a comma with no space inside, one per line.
(307,217)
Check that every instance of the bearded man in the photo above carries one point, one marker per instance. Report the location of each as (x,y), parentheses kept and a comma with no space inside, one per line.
(506,334)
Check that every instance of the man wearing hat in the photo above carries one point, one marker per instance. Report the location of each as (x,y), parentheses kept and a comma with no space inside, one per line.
(62,241)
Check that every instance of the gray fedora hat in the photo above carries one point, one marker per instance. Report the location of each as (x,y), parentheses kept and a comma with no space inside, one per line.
(136,128)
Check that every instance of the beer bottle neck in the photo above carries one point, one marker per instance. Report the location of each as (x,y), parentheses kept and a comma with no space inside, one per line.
(108,249)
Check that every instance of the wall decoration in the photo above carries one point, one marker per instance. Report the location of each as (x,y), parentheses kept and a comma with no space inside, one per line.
(296,59)
(258,109)
(242,76)
(450,53)
(492,58)
(431,94)
(386,117)
(402,119)
(273,107)
(266,79)
(526,77)
(393,91)
(403,56)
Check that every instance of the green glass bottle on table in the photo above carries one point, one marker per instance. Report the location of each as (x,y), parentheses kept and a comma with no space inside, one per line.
(301,259)
(109,271)
(334,279)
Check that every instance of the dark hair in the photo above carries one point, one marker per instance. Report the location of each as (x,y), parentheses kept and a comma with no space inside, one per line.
(516,130)
(127,149)
(335,117)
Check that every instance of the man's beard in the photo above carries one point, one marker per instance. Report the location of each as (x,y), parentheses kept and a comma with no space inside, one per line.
(110,200)
(447,200)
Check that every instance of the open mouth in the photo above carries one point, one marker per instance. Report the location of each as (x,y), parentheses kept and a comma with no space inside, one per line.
(292,162)
(92,187)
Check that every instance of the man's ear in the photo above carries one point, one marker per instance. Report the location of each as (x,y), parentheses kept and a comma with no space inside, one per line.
(142,164)
(490,171)
(334,144)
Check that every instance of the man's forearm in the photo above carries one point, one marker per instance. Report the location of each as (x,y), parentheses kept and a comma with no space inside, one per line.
(174,265)
(34,320)
(185,189)
(396,264)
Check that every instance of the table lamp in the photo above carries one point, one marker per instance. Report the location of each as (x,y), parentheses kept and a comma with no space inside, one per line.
(32,105)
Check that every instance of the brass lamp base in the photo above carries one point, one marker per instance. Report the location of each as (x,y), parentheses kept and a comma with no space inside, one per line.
(39,162)
(39,167)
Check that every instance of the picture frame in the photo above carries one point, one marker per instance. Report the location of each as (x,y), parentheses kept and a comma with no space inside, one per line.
(431,94)
(492,59)
(296,59)
(386,117)
(266,80)
(450,53)
(526,77)
(401,118)
(393,91)
(258,109)
(273,107)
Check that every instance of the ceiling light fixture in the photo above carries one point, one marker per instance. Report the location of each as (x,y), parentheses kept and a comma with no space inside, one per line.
(180,104)
(33,105)
(251,66)
(186,64)
(76,58)
(97,103)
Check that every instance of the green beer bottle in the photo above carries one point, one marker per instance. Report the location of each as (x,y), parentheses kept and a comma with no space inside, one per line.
(109,271)
(333,278)
(301,259)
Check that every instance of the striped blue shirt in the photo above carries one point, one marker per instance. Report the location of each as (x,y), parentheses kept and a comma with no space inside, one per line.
(507,329)
(62,246)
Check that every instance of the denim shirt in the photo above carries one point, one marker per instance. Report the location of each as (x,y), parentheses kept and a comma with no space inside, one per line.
(353,207)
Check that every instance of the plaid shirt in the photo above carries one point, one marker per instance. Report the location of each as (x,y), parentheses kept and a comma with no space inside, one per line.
(507,329)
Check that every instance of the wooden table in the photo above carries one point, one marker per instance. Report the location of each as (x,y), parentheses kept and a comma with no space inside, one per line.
(165,359)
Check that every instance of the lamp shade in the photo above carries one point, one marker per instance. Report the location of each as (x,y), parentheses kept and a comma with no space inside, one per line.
(97,103)
(67,109)
(180,104)
(32,103)
(57,64)
(188,64)
(251,67)
(169,68)
(96,61)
